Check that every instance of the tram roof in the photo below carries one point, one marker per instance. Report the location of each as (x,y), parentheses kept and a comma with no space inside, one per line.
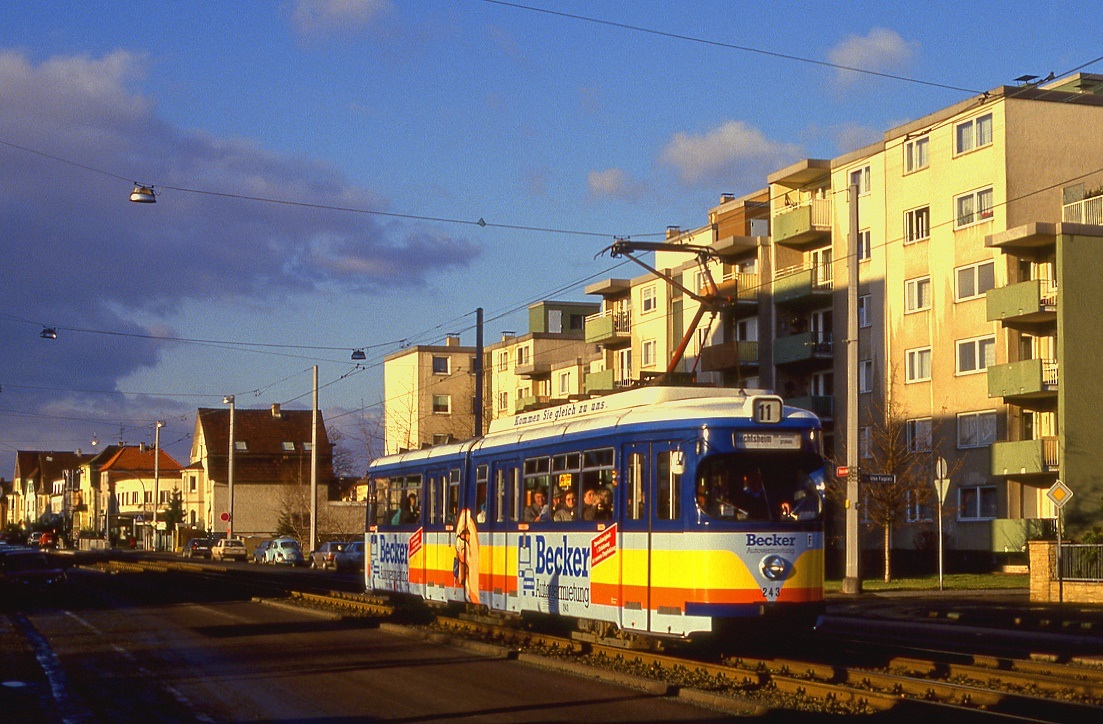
(641,406)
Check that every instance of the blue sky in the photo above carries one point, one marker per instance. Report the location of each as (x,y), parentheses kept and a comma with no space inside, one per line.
(559,132)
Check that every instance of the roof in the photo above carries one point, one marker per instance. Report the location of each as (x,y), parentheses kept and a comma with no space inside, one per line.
(140,459)
(46,465)
(265,458)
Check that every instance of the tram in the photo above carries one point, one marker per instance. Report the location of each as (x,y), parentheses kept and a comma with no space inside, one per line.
(661,511)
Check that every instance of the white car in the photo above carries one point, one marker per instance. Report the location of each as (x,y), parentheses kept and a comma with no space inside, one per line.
(229,549)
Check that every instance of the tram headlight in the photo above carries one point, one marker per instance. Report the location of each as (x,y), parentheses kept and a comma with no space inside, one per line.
(775,567)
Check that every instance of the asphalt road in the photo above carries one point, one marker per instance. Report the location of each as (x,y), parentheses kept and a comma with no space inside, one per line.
(169,647)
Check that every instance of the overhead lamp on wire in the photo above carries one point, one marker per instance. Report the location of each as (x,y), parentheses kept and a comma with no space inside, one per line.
(358,354)
(143,194)
(49,333)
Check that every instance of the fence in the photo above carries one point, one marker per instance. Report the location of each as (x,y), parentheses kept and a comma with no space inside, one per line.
(1081,562)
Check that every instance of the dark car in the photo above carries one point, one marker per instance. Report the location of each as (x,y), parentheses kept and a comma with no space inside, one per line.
(197,547)
(326,556)
(29,568)
(352,558)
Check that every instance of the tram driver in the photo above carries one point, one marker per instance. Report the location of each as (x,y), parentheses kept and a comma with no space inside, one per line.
(751,497)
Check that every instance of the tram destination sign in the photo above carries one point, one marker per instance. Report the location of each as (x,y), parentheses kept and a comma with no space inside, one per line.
(766,440)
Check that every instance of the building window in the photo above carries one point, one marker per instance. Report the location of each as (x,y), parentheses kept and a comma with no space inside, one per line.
(288,447)
(918,511)
(976,502)
(865,447)
(649,300)
(860,177)
(863,245)
(440,365)
(917,294)
(564,383)
(442,404)
(524,356)
(976,429)
(865,376)
(919,434)
(917,224)
(576,322)
(241,445)
(503,400)
(916,154)
(441,438)
(193,484)
(973,207)
(649,353)
(503,361)
(919,364)
(974,280)
(975,355)
(864,302)
(972,134)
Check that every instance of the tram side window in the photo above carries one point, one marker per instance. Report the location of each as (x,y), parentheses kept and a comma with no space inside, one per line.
(636,473)
(436,500)
(379,497)
(537,485)
(482,477)
(453,496)
(395,497)
(565,469)
(667,482)
(517,498)
(500,495)
(409,509)
(598,485)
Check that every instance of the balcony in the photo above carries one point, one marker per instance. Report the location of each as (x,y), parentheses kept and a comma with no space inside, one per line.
(729,355)
(532,369)
(1021,382)
(822,405)
(744,285)
(532,402)
(802,348)
(1026,457)
(803,225)
(607,381)
(1087,211)
(803,286)
(610,328)
(1029,302)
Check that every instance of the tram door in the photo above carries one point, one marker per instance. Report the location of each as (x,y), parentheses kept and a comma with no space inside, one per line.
(651,520)
(501,521)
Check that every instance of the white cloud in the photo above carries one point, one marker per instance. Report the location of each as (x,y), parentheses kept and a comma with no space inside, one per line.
(613,183)
(320,18)
(731,153)
(883,50)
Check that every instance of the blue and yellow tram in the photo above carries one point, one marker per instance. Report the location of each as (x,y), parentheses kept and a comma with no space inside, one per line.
(666,511)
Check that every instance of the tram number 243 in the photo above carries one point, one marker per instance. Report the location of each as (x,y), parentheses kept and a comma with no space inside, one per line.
(771,593)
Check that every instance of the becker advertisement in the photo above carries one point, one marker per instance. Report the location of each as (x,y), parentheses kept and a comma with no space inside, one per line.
(390,557)
(772,557)
(555,568)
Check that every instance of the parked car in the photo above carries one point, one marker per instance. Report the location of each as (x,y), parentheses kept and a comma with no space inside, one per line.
(352,558)
(28,568)
(260,550)
(197,547)
(48,539)
(34,539)
(284,551)
(327,554)
(229,549)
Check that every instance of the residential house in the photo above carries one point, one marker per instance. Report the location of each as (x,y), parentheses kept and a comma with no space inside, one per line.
(136,486)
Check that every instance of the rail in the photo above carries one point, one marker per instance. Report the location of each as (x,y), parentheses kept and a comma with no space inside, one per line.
(1087,211)
(622,319)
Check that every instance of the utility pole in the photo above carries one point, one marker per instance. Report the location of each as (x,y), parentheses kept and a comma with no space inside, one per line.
(852,583)
(229,400)
(314,466)
(479,372)
(156,479)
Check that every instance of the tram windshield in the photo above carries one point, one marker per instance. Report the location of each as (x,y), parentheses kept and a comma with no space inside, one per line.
(747,487)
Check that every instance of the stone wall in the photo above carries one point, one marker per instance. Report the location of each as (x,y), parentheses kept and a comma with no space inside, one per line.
(1044,586)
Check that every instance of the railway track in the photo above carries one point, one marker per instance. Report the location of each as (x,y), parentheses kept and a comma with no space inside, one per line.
(897,679)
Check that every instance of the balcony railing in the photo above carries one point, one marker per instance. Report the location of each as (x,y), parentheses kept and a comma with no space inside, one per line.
(1029,302)
(1026,457)
(1087,211)
(610,325)
(1020,381)
(803,222)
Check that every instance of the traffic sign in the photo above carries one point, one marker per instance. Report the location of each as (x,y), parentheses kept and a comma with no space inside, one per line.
(1060,494)
(941,469)
(878,478)
(841,471)
(225,517)
(942,485)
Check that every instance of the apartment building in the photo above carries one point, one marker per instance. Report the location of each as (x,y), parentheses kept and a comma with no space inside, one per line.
(545,366)
(429,393)
(952,208)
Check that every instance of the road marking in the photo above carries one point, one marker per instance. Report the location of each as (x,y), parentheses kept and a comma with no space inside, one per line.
(70,707)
